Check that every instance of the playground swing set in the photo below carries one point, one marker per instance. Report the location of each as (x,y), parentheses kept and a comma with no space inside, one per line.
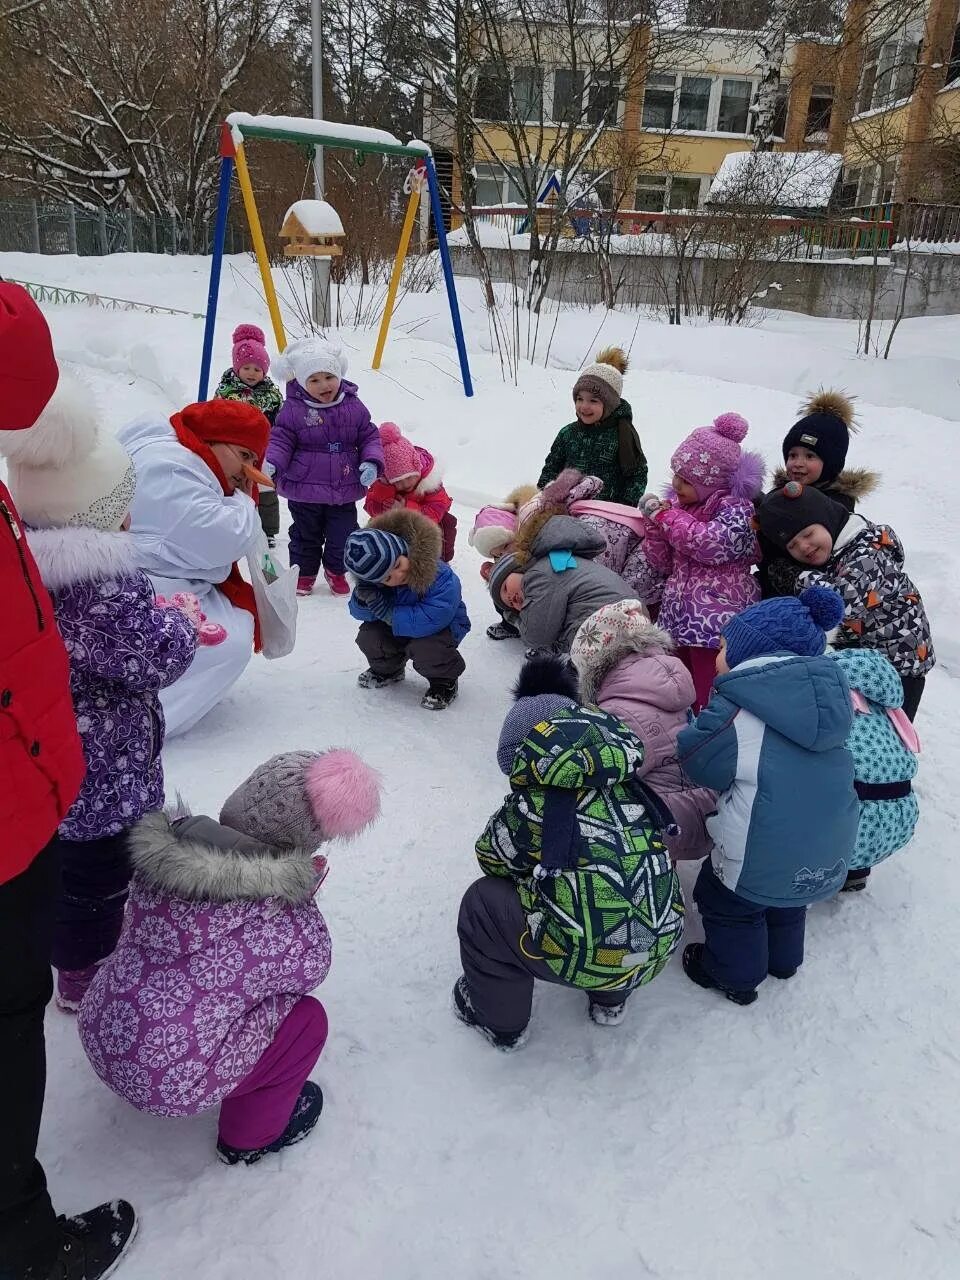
(312,227)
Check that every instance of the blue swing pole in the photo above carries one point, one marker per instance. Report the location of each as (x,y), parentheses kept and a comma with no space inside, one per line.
(216,262)
(437,212)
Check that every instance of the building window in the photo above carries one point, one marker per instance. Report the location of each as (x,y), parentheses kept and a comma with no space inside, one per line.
(602,98)
(658,102)
(953,70)
(528,93)
(657,192)
(489,183)
(878,183)
(780,108)
(493,92)
(697,104)
(567,96)
(734,112)
(694,105)
(889,71)
(684,193)
(652,192)
(819,110)
(850,188)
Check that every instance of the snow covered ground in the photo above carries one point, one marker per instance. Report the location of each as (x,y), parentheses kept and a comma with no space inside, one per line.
(813,1136)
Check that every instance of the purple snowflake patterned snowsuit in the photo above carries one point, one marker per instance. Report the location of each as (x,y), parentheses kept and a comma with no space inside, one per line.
(707,552)
(196,991)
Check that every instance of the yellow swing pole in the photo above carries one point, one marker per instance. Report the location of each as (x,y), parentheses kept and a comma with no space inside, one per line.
(259,246)
(402,247)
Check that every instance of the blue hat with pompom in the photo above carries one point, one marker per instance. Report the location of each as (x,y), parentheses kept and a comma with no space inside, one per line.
(788,624)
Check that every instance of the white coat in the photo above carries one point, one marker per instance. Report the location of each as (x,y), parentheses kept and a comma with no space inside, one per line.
(188,533)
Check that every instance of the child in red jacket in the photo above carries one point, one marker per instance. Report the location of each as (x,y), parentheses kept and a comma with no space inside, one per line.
(411,479)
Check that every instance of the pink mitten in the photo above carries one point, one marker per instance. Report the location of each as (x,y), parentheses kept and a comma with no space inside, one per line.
(210,633)
(188,604)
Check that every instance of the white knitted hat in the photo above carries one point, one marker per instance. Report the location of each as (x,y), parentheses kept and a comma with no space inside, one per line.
(308,356)
(604,378)
(63,471)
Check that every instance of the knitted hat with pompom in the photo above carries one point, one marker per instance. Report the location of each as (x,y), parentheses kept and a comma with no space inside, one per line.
(300,799)
(399,454)
(544,687)
(249,347)
(787,624)
(709,457)
(604,378)
(824,430)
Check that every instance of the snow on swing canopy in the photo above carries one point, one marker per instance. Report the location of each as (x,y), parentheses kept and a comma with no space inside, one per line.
(353,137)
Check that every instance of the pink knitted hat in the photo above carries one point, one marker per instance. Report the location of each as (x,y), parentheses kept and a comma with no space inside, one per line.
(493,529)
(709,457)
(400,456)
(249,347)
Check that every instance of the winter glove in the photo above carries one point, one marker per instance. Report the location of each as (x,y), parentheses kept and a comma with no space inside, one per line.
(380,607)
(366,593)
(269,469)
(650,504)
(368,473)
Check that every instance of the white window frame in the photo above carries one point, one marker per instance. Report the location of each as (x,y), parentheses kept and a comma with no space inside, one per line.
(713,106)
(668,180)
(899,91)
(495,172)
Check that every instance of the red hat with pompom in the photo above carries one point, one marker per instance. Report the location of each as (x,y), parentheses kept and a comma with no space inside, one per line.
(400,455)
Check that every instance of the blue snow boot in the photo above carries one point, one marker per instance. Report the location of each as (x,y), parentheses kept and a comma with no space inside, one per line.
(305,1116)
(693,968)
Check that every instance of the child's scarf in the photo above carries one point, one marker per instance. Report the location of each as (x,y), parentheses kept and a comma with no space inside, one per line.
(235,587)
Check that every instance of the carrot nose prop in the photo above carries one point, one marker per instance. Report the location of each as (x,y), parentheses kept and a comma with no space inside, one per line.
(257,477)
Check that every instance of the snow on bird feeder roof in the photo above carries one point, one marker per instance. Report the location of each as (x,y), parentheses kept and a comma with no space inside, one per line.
(779,179)
(312,228)
(302,129)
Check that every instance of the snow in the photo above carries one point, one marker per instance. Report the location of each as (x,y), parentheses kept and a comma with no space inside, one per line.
(308,128)
(317,217)
(812,1135)
(785,179)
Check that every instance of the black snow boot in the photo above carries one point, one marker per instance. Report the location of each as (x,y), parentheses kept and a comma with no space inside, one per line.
(92,1244)
(305,1116)
(693,968)
(463,1008)
(370,680)
(439,695)
(855,881)
(502,631)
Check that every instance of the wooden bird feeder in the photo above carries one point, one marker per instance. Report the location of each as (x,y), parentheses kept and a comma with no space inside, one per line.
(313,229)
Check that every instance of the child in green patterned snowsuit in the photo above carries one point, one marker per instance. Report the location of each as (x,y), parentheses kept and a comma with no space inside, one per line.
(602,441)
(578,888)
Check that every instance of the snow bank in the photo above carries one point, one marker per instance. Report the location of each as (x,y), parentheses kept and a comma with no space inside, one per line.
(781,179)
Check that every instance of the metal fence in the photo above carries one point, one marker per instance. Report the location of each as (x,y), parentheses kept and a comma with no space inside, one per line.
(31,226)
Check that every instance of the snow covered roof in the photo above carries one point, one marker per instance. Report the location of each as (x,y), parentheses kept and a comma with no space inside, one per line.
(322,131)
(316,217)
(791,179)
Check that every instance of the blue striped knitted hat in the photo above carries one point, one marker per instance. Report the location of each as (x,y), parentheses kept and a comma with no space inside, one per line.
(370,554)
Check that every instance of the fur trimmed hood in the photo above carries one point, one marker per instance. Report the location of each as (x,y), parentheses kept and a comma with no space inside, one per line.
(424,540)
(432,473)
(644,640)
(855,483)
(76,554)
(200,860)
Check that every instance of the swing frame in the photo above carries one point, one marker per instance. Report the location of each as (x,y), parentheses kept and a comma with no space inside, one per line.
(233,133)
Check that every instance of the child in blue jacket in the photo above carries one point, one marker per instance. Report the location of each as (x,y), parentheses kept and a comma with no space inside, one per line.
(772,742)
(408,603)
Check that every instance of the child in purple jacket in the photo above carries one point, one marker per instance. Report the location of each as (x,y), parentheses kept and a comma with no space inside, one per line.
(74,488)
(205,1000)
(702,539)
(325,453)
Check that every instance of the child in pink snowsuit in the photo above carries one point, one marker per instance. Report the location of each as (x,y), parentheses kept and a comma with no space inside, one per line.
(702,538)
(412,479)
(205,999)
